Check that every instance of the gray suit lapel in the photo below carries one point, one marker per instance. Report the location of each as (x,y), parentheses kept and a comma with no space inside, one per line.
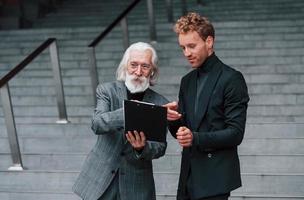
(121,92)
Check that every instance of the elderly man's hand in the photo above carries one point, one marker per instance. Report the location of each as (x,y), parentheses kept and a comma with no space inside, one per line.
(172,113)
(137,140)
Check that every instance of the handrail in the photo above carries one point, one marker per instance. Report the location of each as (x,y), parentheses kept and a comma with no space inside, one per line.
(184,7)
(7,103)
(169,10)
(113,24)
(25,62)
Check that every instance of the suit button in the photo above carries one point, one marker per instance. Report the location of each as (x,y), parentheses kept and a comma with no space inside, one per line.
(122,154)
(113,171)
(209,155)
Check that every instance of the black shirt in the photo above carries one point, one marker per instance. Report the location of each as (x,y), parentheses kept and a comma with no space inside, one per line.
(135,96)
(202,75)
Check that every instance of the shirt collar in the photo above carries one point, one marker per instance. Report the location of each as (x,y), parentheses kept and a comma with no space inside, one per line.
(207,65)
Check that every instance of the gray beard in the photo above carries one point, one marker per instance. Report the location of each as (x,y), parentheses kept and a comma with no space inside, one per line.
(136,84)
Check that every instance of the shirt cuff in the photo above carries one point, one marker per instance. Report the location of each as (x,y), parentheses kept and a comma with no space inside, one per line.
(195,140)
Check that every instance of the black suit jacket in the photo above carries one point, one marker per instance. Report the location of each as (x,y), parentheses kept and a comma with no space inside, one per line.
(211,165)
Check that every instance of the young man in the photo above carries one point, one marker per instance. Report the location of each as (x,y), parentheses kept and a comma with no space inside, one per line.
(120,166)
(209,119)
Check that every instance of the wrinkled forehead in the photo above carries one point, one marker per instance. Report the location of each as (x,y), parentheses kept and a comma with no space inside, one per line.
(141,56)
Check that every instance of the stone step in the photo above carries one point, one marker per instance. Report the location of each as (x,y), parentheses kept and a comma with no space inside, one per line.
(285,184)
(244,50)
(47,119)
(294,88)
(9,195)
(252,130)
(270,69)
(50,90)
(244,15)
(274,110)
(170,162)
(95,20)
(266,197)
(253,30)
(258,92)
(257,146)
(50,111)
(86,119)
(222,43)
(290,78)
(239,53)
(165,89)
(245,61)
(165,34)
(166,183)
(70,196)
(255,114)
(237,10)
(247,5)
(273,146)
(275,119)
(261,9)
(166,57)
(98,19)
(47,100)
(106,67)
(87,99)
(259,163)
(86,110)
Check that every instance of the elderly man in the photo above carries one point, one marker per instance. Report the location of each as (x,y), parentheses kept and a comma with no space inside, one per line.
(120,165)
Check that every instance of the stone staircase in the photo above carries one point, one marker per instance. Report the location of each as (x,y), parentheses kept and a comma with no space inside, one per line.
(262,39)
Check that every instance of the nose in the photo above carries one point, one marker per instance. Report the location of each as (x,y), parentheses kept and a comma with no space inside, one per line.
(138,71)
(187,53)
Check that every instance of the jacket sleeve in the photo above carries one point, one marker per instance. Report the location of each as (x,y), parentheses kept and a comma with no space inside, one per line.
(104,119)
(152,150)
(234,111)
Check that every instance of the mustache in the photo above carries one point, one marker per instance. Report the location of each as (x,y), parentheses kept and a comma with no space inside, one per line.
(137,78)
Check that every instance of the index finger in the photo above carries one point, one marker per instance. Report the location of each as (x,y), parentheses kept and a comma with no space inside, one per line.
(142,136)
(171,105)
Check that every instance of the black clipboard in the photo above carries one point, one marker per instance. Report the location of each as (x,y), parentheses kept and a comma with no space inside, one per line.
(146,117)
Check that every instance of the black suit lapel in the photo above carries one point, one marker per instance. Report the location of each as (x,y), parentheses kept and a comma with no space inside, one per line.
(148,97)
(206,94)
(191,94)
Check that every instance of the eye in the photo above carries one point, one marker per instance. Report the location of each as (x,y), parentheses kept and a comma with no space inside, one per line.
(146,66)
(134,64)
(192,46)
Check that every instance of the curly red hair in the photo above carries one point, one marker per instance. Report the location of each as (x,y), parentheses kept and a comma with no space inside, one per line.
(194,22)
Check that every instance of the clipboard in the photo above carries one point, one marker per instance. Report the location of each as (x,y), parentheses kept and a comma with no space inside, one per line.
(146,117)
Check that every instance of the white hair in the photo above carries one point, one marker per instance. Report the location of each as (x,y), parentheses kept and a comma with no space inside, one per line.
(139,46)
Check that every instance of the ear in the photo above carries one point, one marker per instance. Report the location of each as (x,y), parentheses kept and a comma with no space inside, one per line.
(210,41)
(152,73)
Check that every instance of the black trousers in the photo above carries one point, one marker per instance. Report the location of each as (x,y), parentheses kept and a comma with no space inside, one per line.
(217,197)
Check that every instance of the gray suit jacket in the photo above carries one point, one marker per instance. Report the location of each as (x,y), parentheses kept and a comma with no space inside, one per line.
(112,153)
